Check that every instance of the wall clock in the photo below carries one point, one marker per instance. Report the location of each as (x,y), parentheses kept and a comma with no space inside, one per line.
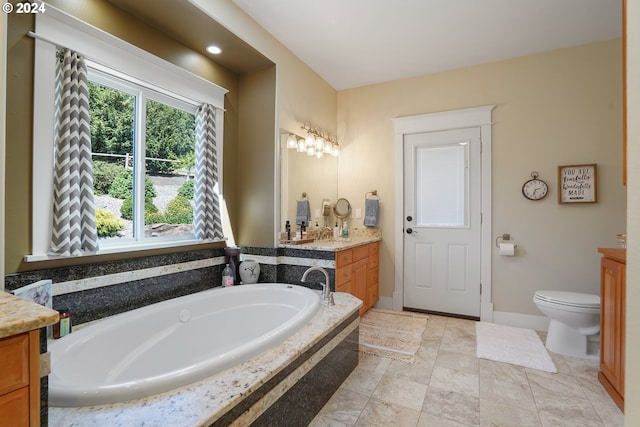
(535,189)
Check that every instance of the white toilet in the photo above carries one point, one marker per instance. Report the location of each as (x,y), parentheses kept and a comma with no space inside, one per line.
(574,322)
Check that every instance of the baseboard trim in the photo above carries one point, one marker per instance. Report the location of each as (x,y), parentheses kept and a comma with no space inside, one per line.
(519,320)
(385,303)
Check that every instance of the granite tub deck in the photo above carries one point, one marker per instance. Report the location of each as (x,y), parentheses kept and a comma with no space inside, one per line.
(285,385)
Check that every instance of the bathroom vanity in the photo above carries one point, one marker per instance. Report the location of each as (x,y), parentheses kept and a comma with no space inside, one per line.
(20,323)
(612,322)
(354,262)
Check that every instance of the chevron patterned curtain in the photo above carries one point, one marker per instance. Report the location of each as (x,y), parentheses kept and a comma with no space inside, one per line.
(74,220)
(207,222)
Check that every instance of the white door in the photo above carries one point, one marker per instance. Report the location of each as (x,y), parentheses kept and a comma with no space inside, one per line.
(442,221)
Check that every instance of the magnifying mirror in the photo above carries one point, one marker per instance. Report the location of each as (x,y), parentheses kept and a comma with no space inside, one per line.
(342,209)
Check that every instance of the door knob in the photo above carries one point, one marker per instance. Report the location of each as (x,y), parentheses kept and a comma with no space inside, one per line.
(410,231)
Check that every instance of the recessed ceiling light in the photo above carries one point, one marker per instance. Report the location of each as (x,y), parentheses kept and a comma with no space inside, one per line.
(213,49)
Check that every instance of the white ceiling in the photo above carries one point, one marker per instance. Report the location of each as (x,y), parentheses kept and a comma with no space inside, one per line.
(352,43)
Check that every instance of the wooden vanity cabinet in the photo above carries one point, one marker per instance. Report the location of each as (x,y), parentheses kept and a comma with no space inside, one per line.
(20,380)
(357,273)
(612,322)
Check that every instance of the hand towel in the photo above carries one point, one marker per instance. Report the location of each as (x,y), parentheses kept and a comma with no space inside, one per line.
(303,212)
(371,208)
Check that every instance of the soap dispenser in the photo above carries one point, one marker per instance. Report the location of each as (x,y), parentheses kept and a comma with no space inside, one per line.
(345,230)
(336,231)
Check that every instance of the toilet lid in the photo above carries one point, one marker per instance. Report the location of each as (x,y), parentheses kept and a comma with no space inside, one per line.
(574,299)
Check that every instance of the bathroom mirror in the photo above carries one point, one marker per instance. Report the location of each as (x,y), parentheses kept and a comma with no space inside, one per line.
(300,173)
(342,209)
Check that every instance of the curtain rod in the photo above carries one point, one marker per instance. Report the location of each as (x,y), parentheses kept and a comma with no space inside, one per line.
(141,82)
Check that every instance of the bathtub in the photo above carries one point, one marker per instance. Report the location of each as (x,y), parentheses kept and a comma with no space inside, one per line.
(174,343)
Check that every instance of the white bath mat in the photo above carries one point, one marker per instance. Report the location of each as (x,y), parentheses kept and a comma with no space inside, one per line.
(516,346)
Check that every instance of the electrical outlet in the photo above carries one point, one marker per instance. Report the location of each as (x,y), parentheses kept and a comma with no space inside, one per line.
(358,213)
(317,211)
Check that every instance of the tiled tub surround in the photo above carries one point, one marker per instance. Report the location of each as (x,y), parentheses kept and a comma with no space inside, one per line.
(286,385)
(94,291)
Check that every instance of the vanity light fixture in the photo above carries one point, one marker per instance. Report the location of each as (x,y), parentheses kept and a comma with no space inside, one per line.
(317,143)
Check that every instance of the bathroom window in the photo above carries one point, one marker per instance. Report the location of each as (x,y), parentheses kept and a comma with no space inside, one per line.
(142,114)
(143,156)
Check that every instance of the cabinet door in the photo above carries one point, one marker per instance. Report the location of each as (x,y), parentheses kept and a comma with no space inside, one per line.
(359,283)
(612,326)
(14,408)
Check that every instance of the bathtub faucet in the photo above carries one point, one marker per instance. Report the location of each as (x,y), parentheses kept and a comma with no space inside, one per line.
(327,295)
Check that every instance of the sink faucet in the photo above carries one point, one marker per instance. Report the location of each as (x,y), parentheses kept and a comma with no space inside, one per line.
(327,295)
(327,233)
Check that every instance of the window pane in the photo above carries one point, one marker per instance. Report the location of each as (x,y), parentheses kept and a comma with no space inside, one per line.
(112,122)
(441,186)
(169,166)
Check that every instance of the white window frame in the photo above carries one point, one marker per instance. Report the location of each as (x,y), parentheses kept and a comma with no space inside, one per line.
(105,53)
(141,94)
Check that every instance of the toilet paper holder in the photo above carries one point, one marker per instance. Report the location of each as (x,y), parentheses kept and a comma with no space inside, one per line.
(506,237)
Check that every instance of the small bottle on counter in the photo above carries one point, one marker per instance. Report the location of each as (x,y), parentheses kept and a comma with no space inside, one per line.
(227,276)
(63,327)
(345,230)
(336,231)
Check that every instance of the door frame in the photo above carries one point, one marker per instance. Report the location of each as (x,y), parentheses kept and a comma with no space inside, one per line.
(434,122)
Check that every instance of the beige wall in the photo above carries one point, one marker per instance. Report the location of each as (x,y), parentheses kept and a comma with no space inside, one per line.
(301,95)
(256,159)
(632,376)
(3,92)
(556,108)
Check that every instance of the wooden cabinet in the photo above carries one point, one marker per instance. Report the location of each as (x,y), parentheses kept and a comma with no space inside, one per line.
(20,380)
(612,323)
(357,273)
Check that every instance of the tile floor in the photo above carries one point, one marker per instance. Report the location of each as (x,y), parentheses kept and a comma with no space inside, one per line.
(448,386)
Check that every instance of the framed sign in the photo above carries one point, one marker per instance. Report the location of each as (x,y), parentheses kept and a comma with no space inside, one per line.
(577,184)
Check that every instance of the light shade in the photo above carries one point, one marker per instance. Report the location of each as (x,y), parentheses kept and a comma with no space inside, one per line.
(292,142)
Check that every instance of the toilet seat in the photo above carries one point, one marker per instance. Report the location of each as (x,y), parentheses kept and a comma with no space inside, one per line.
(569,299)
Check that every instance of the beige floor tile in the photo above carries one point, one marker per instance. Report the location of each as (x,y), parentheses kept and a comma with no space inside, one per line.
(419,371)
(452,380)
(459,340)
(457,407)
(494,414)
(429,420)
(606,408)
(548,385)
(362,381)
(373,363)
(502,371)
(343,408)
(457,389)
(517,395)
(459,361)
(554,411)
(583,368)
(429,348)
(382,414)
(400,392)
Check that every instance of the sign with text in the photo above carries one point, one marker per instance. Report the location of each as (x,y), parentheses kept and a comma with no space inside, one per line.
(577,184)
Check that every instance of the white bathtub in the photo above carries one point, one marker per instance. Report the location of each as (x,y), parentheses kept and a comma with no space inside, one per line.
(173,343)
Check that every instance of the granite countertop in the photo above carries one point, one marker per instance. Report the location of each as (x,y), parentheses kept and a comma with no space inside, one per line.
(358,236)
(18,315)
(203,402)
